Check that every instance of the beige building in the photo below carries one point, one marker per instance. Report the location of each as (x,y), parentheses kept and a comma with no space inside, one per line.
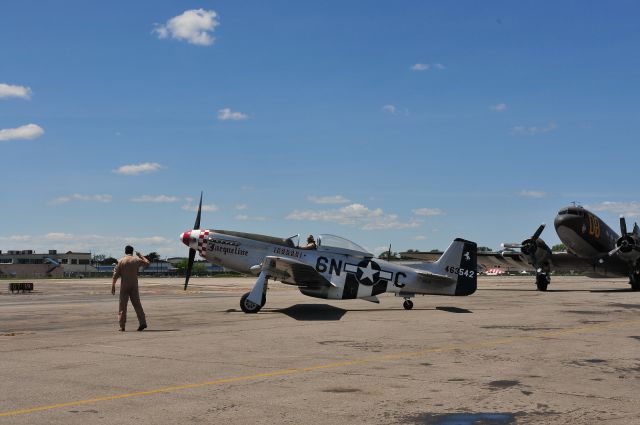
(28,263)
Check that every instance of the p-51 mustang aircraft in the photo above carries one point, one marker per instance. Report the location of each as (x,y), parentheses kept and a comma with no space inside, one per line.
(593,248)
(336,269)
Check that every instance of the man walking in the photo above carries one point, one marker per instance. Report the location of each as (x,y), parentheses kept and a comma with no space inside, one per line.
(127,269)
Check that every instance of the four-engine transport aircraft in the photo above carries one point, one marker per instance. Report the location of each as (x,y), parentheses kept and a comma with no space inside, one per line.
(593,248)
(336,269)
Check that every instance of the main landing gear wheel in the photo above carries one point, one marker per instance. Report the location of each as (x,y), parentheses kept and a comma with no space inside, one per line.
(634,281)
(542,281)
(407,304)
(249,307)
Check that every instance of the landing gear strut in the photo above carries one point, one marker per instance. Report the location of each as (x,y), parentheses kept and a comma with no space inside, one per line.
(542,281)
(261,286)
(407,304)
(634,281)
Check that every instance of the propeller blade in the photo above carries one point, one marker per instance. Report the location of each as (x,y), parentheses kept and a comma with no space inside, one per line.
(192,256)
(623,226)
(614,250)
(196,226)
(536,235)
(512,245)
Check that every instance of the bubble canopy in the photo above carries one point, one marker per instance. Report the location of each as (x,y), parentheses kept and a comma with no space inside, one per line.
(332,242)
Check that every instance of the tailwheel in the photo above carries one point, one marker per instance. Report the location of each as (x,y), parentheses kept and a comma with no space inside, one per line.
(407,304)
(249,307)
(542,281)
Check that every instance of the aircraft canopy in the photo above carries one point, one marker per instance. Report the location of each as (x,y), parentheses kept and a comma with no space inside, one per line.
(331,242)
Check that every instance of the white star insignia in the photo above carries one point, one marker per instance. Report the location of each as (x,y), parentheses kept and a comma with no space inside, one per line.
(368,272)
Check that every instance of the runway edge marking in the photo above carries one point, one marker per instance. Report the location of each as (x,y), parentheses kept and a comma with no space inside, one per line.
(294,371)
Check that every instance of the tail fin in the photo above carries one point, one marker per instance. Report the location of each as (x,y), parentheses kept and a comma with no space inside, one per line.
(459,263)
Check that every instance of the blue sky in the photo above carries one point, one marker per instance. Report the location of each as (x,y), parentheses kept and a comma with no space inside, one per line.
(408,123)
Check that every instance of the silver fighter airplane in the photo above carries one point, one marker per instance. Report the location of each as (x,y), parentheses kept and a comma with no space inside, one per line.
(336,269)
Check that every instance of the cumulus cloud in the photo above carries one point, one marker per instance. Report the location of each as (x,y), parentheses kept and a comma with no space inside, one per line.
(336,199)
(499,107)
(355,215)
(156,198)
(628,209)
(78,197)
(29,131)
(532,194)
(428,212)
(8,90)
(226,114)
(194,26)
(135,169)
(533,130)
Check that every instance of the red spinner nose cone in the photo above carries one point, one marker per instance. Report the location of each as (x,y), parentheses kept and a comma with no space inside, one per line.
(185,237)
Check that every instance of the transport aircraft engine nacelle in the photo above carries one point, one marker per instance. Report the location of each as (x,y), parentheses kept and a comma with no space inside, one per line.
(627,245)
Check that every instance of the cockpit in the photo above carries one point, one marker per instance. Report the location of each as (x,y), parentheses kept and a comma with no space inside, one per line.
(327,242)
(576,211)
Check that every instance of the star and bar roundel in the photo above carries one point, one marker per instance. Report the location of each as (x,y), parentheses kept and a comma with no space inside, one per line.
(368,272)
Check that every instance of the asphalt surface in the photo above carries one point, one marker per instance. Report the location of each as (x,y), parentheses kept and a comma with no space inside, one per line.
(505,355)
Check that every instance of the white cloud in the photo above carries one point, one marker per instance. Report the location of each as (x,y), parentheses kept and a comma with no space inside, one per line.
(419,238)
(135,169)
(78,197)
(226,114)
(389,109)
(628,209)
(96,244)
(532,194)
(7,90)
(244,217)
(499,107)
(425,67)
(194,26)
(190,206)
(532,130)
(428,212)
(240,207)
(355,215)
(420,67)
(29,131)
(157,198)
(336,199)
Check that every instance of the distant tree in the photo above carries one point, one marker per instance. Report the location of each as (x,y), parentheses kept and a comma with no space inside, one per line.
(153,256)
(412,250)
(559,248)
(484,249)
(104,260)
(434,250)
(385,255)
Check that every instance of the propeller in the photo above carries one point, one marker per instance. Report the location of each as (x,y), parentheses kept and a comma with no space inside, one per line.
(528,246)
(192,252)
(625,243)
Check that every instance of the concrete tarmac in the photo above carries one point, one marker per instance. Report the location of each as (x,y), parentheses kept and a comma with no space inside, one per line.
(506,355)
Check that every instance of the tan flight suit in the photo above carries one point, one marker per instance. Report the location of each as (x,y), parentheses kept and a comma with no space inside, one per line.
(127,269)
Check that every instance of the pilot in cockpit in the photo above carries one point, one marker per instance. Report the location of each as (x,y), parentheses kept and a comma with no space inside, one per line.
(311,243)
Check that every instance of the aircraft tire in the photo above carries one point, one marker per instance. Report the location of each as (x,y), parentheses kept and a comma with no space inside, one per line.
(542,282)
(635,282)
(249,307)
(407,304)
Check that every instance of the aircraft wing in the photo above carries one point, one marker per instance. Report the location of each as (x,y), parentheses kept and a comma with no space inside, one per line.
(294,272)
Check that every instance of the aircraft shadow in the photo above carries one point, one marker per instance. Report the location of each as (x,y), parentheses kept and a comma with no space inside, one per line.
(454,309)
(161,330)
(311,312)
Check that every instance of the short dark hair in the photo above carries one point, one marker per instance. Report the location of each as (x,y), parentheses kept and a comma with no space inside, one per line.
(128,249)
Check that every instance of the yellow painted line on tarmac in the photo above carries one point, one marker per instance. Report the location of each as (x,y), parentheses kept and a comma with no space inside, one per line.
(297,371)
